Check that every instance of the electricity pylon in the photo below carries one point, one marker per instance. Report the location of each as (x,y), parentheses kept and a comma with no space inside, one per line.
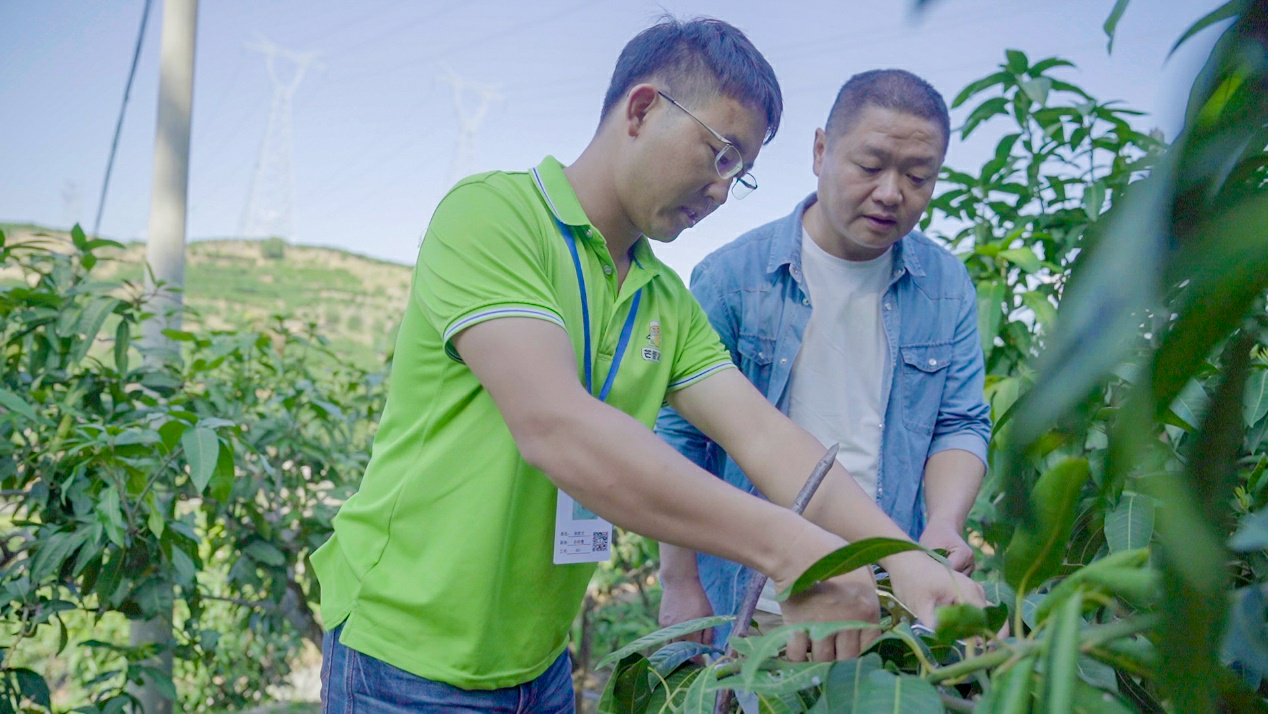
(268,209)
(469,119)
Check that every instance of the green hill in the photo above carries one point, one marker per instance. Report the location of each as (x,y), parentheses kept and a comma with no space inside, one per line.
(356,302)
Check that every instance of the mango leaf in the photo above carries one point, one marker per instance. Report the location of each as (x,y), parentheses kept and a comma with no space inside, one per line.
(1094,200)
(699,697)
(1253,533)
(1192,404)
(1036,550)
(122,340)
(990,311)
(202,449)
(1219,14)
(886,692)
(670,696)
(32,686)
(785,678)
(1010,691)
(1255,406)
(842,560)
(628,690)
(266,553)
(957,622)
(766,647)
(1036,89)
(1017,61)
(1131,524)
(1061,660)
(845,684)
(14,403)
(1245,645)
(1111,23)
(978,85)
(662,636)
(668,658)
(1092,700)
(1023,258)
(1045,312)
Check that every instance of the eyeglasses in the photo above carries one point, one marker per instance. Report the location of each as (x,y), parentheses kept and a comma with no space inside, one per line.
(727,161)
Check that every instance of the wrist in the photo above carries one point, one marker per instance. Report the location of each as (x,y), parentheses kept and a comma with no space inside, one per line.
(804,548)
(907,561)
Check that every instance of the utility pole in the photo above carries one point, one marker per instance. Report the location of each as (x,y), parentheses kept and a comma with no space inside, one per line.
(165,253)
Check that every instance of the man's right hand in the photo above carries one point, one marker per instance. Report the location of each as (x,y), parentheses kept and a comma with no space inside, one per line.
(851,596)
(684,599)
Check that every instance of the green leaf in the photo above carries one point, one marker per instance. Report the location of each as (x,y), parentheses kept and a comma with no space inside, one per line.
(137,435)
(1038,302)
(985,110)
(1036,89)
(1245,644)
(766,647)
(1223,12)
(672,695)
(110,516)
(1017,61)
(78,238)
(1130,525)
(1253,533)
(786,678)
(16,404)
(1255,406)
(1023,258)
(990,312)
(222,479)
(905,694)
(265,552)
(628,690)
(1094,200)
(867,551)
(1111,23)
(32,686)
(122,340)
(202,449)
(90,322)
(1036,550)
(673,655)
(957,622)
(979,85)
(662,636)
(1010,691)
(845,683)
(1061,661)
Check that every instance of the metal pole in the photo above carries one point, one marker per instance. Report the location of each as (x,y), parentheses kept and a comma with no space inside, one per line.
(165,254)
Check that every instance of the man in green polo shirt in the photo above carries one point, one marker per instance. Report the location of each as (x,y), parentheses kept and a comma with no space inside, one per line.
(540,339)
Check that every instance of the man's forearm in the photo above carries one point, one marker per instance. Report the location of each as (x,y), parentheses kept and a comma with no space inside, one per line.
(952,480)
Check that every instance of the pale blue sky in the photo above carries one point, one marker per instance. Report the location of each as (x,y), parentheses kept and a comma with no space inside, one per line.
(375,129)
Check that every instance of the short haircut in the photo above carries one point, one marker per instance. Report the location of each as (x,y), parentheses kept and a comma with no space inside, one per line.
(894,89)
(698,60)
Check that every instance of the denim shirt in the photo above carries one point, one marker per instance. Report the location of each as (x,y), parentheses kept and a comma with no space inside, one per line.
(754,292)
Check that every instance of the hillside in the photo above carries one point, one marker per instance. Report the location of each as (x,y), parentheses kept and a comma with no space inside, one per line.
(355,301)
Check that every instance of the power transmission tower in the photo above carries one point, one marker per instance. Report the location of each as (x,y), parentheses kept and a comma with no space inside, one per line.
(268,209)
(469,119)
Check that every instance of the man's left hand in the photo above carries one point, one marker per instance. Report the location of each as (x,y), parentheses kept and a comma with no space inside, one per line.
(945,536)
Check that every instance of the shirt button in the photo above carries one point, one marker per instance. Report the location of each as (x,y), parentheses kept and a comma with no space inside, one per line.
(607,270)
(933,363)
(889,305)
(805,301)
(783,360)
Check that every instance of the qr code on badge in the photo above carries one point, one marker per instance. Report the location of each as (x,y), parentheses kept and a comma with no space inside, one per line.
(599,541)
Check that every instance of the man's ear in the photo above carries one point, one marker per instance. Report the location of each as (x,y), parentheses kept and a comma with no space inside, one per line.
(820,150)
(638,107)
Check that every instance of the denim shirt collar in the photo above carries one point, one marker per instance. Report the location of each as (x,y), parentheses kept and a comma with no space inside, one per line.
(785,249)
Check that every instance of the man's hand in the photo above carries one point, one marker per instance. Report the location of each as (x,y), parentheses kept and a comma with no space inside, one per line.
(846,597)
(682,600)
(940,534)
(922,584)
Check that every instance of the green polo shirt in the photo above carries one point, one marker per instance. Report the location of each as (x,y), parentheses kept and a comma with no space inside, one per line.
(442,563)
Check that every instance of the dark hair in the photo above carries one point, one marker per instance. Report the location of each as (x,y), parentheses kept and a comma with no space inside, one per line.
(895,89)
(697,60)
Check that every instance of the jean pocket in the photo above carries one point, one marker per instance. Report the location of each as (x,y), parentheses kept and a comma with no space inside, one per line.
(923,377)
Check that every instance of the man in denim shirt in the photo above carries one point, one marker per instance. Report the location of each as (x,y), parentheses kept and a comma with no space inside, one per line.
(865,334)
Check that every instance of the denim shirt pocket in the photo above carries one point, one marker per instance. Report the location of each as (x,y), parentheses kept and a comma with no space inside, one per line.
(923,376)
(756,353)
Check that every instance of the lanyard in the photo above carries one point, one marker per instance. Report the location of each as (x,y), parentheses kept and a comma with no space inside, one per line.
(626,330)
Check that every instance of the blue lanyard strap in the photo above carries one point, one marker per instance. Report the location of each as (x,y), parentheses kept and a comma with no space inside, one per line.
(626,330)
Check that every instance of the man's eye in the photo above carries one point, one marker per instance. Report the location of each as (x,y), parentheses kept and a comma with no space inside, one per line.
(918,180)
(869,169)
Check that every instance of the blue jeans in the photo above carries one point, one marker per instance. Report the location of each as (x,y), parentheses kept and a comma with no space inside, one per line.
(356,682)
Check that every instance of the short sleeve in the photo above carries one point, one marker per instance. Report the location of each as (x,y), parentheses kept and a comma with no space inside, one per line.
(483,257)
(702,353)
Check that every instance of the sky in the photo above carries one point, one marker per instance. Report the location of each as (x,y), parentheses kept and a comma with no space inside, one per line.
(376,132)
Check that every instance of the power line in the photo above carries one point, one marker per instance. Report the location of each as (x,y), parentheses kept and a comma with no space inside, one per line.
(118,127)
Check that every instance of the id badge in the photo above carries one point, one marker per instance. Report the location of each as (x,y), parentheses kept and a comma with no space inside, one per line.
(580,535)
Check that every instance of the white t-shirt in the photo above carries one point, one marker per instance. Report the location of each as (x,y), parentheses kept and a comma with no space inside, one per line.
(839,376)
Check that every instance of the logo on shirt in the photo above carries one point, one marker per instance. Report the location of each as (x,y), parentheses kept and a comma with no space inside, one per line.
(651,352)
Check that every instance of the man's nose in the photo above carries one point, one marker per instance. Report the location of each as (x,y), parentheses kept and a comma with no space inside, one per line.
(717,192)
(887,191)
